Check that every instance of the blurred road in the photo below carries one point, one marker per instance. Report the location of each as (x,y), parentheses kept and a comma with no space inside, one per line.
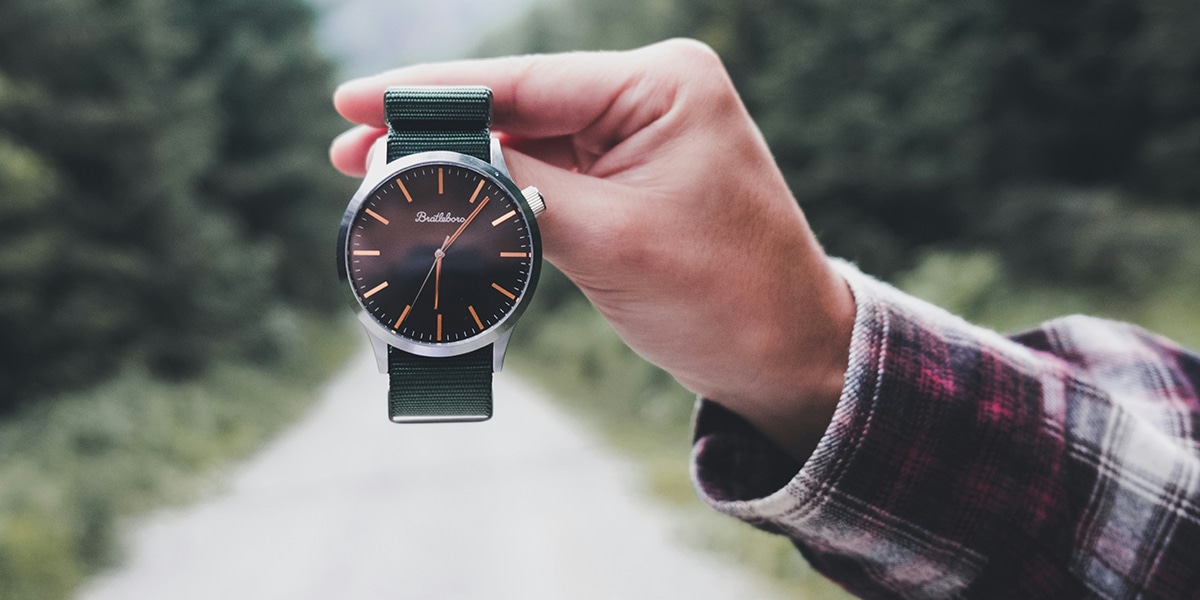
(347,505)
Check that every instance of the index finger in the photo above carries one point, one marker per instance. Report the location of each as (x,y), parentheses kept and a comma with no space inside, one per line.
(535,96)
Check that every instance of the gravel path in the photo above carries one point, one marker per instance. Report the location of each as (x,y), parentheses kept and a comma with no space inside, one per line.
(347,505)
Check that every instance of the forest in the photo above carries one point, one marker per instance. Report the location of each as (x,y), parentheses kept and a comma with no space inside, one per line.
(166,198)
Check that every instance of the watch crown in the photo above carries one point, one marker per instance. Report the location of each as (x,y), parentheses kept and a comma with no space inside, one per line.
(535,200)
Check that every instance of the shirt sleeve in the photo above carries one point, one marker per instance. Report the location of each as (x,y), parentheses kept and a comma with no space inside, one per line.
(1059,463)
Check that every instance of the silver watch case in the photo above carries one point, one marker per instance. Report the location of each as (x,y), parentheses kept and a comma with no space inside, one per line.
(378,171)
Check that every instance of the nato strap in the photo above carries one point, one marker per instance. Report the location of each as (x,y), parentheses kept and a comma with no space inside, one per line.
(421,119)
(455,119)
(451,388)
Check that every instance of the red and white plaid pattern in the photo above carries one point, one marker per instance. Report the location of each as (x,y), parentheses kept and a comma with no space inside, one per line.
(1059,463)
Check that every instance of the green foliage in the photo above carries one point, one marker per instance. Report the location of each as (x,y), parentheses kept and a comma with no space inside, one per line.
(36,561)
(1166,54)
(70,469)
(561,25)
(271,168)
(871,111)
(1090,238)
(166,196)
(1154,287)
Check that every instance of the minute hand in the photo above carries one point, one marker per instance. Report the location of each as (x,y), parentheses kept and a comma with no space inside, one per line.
(450,240)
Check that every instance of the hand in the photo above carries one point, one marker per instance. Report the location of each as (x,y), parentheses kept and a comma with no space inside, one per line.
(671,216)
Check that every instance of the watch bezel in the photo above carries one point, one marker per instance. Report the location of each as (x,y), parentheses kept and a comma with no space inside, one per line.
(375,178)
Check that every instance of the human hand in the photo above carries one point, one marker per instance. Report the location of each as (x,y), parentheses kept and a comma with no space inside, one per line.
(669,213)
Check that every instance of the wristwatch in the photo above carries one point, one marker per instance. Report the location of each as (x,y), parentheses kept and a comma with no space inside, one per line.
(441,251)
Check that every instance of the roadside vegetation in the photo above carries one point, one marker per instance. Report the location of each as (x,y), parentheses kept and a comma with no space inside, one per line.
(74,469)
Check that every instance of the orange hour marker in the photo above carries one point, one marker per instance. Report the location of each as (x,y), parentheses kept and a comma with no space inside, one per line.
(514,255)
(405,190)
(441,183)
(377,216)
(504,291)
(476,317)
(504,218)
(402,315)
(366,253)
(375,290)
(439,327)
(477,188)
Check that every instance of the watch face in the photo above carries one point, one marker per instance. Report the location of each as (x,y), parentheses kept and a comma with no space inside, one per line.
(441,253)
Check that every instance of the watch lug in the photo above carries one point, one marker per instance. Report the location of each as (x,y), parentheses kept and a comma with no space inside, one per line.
(498,160)
(499,348)
(377,155)
(380,349)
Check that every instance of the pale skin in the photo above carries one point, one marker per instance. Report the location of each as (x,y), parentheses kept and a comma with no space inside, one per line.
(667,210)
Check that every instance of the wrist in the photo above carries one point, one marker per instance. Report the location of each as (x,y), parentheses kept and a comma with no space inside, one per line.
(801,368)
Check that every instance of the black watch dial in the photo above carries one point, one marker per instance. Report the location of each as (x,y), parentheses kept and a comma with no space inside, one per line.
(440,253)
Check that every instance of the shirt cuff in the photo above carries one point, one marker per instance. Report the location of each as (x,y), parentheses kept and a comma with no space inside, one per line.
(737,471)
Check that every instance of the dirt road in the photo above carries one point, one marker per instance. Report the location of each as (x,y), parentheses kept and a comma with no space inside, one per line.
(346,505)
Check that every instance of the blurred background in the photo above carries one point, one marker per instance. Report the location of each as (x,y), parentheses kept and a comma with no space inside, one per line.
(167,213)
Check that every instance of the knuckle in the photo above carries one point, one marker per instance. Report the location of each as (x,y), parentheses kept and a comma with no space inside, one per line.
(693,52)
(700,74)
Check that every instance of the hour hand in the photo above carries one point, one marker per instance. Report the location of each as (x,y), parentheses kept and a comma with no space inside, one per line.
(437,278)
(437,262)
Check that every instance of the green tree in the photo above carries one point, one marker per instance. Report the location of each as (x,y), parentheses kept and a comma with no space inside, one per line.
(270,169)
(1166,54)
(168,206)
(872,111)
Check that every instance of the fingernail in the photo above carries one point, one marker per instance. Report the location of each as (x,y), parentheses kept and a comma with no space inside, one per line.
(352,86)
(345,134)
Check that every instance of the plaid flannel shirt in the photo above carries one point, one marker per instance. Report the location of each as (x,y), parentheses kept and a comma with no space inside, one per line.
(1059,463)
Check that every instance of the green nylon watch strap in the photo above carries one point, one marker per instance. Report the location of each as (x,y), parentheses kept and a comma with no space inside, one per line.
(453,388)
(421,119)
(457,119)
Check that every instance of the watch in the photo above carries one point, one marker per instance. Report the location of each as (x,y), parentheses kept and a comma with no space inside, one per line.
(441,252)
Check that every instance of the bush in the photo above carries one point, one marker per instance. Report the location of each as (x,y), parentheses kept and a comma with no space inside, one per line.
(70,469)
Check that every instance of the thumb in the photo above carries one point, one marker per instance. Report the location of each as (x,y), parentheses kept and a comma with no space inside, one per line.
(584,214)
